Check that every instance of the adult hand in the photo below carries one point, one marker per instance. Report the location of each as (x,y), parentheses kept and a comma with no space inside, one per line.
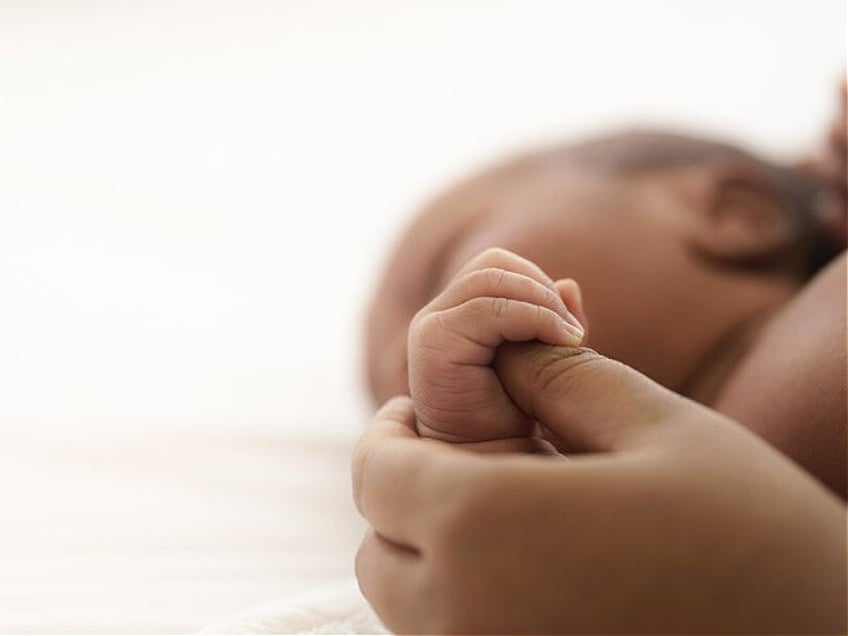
(671,518)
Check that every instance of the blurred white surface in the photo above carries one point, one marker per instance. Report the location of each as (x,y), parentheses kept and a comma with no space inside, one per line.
(195,198)
(195,195)
(151,532)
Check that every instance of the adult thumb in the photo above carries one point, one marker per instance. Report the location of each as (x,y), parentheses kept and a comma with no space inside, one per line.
(590,402)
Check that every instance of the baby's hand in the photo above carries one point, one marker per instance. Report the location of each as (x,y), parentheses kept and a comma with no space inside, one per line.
(497,297)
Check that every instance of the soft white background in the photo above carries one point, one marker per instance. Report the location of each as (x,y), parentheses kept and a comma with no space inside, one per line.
(195,199)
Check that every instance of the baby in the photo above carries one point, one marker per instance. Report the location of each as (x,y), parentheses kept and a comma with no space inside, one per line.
(686,250)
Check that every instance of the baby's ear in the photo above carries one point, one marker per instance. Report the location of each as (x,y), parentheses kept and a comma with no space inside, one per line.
(739,216)
(571,295)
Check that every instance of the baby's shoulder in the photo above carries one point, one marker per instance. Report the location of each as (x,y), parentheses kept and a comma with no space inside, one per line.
(791,386)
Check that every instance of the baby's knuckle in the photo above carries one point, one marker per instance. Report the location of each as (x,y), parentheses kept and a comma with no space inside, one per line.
(439,323)
(498,306)
(485,278)
(494,255)
(495,276)
(420,315)
(423,326)
(550,297)
(468,279)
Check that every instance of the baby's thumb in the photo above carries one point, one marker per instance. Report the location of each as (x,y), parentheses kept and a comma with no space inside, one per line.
(592,403)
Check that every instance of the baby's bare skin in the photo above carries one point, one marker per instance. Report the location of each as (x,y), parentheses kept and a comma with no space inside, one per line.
(497,297)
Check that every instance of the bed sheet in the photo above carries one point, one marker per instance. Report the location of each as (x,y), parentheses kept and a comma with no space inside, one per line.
(176,529)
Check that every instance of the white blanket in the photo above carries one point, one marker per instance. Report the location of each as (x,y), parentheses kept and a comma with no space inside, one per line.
(170,531)
(332,609)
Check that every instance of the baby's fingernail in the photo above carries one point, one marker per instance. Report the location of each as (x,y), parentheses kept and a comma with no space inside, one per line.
(572,320)
(574,332)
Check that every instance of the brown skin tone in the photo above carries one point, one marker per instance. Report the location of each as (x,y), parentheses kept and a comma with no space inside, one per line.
(527,543)
(798,362)
(638,246)
(464,542)
(591,228)
(521,543)
(550,211)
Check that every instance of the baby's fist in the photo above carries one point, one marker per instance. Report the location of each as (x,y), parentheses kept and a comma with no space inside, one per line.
(497,297)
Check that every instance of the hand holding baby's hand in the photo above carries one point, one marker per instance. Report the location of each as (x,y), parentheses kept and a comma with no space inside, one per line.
(497,297)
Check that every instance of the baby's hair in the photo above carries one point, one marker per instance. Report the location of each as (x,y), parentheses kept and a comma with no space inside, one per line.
(642,151)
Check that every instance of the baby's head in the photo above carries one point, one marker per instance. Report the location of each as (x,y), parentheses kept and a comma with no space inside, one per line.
(682,247)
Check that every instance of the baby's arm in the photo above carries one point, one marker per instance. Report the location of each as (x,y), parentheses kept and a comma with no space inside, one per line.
(497,297)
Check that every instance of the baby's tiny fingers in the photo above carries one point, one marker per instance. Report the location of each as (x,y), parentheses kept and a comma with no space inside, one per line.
(501,283)
(501,258)
(572,296)
(489,321)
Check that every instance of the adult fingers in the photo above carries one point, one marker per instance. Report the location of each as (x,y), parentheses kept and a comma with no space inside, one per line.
(398,478)
(512,446)
(386,574)
(591,402)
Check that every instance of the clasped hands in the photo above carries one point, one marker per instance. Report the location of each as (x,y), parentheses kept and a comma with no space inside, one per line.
(531,485)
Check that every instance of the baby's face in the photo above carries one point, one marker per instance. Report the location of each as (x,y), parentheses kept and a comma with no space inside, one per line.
(651,300)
